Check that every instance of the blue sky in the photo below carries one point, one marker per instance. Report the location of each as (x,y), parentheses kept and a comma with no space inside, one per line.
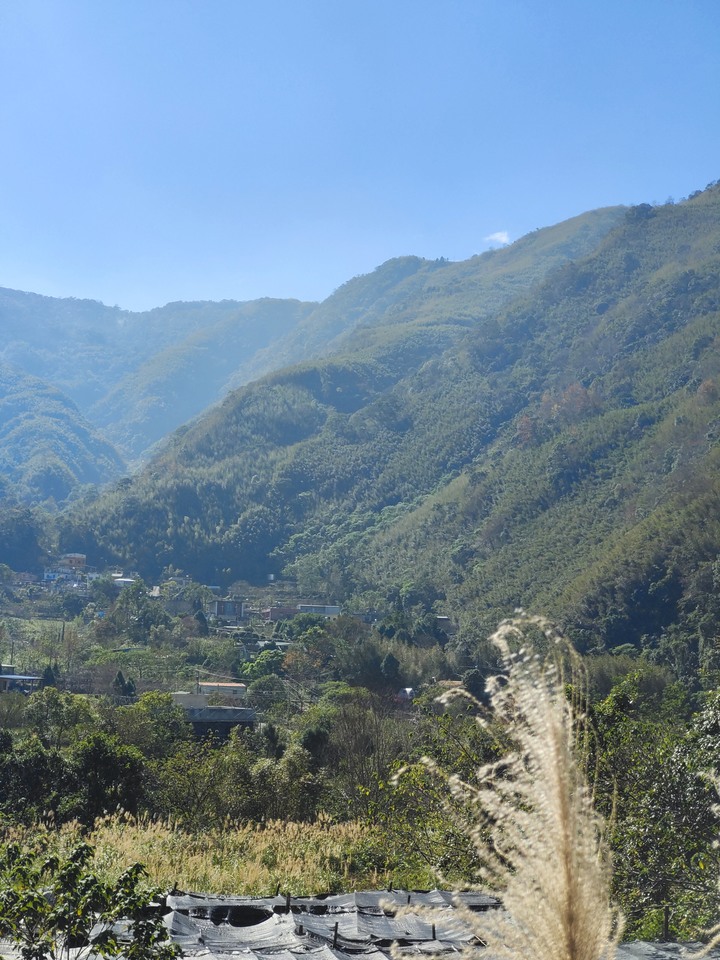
(160,150)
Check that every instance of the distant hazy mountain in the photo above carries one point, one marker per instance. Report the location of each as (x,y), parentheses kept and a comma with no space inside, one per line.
(47,448)
(138,376)
(192,371)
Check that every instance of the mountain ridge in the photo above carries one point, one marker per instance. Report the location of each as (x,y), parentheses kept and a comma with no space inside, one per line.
(496,472)
(138,376)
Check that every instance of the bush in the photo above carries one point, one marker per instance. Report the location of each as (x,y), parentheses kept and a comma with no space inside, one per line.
(50,905)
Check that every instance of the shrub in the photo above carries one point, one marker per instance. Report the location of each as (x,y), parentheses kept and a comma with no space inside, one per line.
(53,906)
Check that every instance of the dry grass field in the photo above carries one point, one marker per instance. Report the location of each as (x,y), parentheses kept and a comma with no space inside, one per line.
(259,859)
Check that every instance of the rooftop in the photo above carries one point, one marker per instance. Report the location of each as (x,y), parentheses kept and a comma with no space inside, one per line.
(361,925)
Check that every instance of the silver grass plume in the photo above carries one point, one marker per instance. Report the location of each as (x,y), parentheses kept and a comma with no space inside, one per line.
(544,853)
(713,933)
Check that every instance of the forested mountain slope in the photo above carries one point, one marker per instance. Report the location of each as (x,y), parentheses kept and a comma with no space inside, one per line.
(47,448)
(396,319)
(560,455)
(597,502)
(429,303)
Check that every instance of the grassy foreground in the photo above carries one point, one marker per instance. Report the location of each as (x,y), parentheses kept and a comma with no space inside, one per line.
(258,859)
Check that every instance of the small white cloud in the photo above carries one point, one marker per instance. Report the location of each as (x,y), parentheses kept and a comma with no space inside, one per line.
(501,237)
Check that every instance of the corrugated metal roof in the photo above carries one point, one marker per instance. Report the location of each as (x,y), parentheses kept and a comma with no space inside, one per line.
(359,926)
(216,928)
(222,714)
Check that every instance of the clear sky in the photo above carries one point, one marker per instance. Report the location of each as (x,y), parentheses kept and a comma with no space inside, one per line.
(159,150)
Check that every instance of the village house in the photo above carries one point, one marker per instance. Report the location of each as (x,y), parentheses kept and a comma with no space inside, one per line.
(214,720)
(227,610)
(287,611)
(13,682)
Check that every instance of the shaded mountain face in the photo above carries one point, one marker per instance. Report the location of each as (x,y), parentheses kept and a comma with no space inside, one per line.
(189,372)
(558,452)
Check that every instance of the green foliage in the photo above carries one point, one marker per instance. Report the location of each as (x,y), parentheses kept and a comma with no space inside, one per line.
(267,692)
(58,718)
(287,789)
(22,536)
(423,826)
(33,784)
(267,663)
(364,743)
(53,907)
(202,785)
(47,448)
(135,614)
(123,687)
(653,782)
(155,725)
(105,775)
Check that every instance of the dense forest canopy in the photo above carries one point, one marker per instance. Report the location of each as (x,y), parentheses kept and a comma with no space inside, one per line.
(47,448)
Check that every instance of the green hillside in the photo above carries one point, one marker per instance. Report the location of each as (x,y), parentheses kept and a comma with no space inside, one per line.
(47,448)
(559,454)
(433,302)
(323,421)
(138,376)
(176,383)
(597,501)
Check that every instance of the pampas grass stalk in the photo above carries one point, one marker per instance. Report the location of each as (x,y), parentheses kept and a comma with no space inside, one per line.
(545,854)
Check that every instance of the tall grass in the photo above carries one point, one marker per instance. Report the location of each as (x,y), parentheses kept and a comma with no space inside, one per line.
(253,859)
(545,855)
